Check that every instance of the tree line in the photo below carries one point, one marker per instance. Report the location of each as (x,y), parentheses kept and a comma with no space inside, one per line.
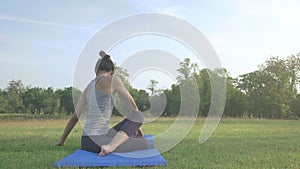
(16,98)
(269,92)
(272,91)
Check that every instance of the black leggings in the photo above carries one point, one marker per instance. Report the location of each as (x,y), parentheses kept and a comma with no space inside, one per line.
(130,126)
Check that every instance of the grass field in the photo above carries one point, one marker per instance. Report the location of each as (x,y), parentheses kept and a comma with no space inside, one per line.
(237,143)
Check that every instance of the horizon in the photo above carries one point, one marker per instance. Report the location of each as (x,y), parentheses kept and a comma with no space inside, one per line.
(45,51)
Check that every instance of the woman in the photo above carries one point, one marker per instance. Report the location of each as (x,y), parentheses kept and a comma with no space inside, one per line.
(98,97)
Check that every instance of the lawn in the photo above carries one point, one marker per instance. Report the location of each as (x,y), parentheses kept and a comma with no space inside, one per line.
(237,143)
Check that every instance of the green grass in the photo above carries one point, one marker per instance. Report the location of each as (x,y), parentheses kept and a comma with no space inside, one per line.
(20,116)
(237,143)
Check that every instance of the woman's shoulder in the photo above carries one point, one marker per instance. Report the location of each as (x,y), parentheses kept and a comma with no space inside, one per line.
(98,78)
(110,80)
(113,78)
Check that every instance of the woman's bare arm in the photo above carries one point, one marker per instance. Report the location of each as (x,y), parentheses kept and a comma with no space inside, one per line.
(73,120)
(119,87)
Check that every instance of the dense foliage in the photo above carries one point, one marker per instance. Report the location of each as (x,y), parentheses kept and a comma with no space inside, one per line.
(35,100)
(269,92)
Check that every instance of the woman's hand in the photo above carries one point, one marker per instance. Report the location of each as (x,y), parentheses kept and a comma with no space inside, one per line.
(139,133)
(60,143)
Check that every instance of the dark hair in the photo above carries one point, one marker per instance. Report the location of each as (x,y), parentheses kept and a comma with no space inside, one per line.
(105,64)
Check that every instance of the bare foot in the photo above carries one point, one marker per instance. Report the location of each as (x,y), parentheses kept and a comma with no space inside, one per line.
(139,133)
(106,149)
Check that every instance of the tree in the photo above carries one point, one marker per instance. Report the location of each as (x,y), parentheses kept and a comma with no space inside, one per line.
(16,86)
(66,100)
(12,94)
(33,100)
(236,101)
(184,70)
(293,64)
(187,83)
(50,103)
(3,103)
(153,86)
(269,89)
(123,75)
(141,98)
(205,91)
(295,107)
(173,101)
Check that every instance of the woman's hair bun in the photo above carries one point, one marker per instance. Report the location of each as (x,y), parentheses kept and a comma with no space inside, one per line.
(106,56)
(104,63)
(102,53)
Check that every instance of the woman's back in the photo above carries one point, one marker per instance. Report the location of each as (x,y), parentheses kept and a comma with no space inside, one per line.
(100,103)
(105,84)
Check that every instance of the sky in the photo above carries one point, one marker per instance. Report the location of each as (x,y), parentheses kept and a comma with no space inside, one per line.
(41,41)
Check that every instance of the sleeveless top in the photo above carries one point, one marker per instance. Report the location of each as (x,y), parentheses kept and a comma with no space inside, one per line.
(99,107)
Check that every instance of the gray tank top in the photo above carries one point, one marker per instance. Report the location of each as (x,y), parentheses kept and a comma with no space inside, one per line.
(100,106)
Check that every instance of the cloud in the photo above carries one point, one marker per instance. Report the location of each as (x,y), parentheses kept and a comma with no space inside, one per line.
(45,23)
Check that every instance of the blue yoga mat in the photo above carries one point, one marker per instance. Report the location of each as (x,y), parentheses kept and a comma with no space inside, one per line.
(81,158)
